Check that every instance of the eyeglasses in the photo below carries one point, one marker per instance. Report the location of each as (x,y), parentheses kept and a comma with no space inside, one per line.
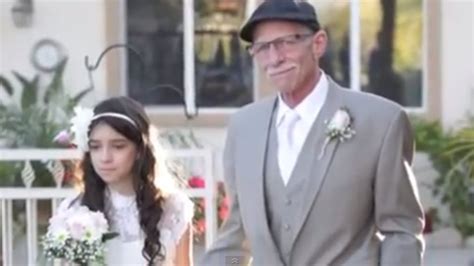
(283,44)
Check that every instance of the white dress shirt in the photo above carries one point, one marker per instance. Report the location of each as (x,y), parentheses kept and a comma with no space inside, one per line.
(293,126)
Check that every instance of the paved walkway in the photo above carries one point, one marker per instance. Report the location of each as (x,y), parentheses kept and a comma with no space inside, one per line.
(433,256)
(449,257)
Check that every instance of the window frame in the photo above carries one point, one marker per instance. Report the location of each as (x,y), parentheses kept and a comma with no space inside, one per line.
(189,70)
(117,77)
(355,55)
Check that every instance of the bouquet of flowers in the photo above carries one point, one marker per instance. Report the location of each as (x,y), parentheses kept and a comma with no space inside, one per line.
(222,205)
(77,235)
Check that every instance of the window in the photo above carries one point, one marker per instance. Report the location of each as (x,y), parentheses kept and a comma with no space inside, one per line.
(154,29)
(335,17)
(198,53)
(389,33)
(374,45)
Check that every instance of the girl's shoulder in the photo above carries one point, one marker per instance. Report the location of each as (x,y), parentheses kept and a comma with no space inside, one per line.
(178,210)
(70,202)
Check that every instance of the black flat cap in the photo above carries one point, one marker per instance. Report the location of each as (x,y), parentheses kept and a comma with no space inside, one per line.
(300,12)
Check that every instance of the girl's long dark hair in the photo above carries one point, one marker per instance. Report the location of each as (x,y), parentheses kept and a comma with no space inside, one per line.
(149,198)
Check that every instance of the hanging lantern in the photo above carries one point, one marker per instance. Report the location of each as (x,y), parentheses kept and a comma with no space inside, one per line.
(22,13)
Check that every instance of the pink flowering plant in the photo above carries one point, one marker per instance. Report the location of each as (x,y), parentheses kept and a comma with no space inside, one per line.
(77,235)
(222,205)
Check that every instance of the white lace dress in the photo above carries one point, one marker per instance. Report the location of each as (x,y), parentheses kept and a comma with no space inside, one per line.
(126,249)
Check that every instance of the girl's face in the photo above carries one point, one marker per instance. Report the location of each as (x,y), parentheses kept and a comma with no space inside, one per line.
(112,155)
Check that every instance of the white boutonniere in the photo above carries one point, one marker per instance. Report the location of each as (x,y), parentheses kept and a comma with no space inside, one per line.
(338,128)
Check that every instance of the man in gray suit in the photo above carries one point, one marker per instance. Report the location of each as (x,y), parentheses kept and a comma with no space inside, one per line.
(318,175)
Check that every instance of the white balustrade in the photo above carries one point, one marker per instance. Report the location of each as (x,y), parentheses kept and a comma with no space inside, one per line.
(32,194)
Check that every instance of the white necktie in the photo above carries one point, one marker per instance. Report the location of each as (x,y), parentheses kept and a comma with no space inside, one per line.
(288,152)
(292,118)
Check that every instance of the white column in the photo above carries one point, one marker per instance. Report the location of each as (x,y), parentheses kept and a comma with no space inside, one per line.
(355,61)
(32,230)
(189,76)
(457,61)
(7,231)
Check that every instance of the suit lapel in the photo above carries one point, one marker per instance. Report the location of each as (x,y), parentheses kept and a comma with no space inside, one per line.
(257,160)
(316,170)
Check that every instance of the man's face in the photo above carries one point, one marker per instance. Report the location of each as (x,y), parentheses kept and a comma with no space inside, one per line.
(288,53)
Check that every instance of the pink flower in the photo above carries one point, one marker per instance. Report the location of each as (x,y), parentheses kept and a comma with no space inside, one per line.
(84,224)
(63,138)
(224,209)
(201,226)
(77,230)
(225,202)
(196,182)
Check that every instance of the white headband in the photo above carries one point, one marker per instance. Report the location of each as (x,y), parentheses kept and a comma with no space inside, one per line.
(82,120)
(117,115)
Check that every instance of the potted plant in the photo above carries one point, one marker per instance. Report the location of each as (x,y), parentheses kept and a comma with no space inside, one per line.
(221,205)
(452,155)
(40,114)
(458,183)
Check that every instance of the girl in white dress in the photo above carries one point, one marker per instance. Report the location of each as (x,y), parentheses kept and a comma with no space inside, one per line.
(118,179)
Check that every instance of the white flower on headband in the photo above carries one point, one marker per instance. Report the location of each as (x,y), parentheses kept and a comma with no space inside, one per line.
(80,127)
(81,122)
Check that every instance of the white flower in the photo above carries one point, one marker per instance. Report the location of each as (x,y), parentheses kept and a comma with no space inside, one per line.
(86,225)
(80,127)
(340,121)
(339,127)
(57,222)
(57,229)
(100,223)
(57,225)
(79,223)
(60,236)
(77,235)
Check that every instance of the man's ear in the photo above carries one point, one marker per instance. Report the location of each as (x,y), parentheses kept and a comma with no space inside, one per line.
(320,41)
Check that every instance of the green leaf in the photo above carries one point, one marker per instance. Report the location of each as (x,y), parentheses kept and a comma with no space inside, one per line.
(77,98)
(30,90)
(6,85)
(56,85)
(8,173)
(108,236)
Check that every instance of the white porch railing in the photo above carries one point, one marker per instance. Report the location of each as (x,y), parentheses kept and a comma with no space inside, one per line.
(32,194)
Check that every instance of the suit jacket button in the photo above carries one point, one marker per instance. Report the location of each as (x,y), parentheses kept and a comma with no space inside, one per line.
(286,227)
(288,202)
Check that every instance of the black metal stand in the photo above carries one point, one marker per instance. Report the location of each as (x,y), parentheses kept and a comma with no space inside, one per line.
(92,67)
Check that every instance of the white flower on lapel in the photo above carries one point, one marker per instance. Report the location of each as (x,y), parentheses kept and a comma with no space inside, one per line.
(339,128)
(80,127)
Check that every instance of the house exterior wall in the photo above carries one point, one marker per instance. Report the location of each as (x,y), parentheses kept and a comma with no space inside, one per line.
(457,60)
(77,25)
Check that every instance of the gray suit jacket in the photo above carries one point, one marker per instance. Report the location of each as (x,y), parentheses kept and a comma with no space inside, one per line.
(362,204)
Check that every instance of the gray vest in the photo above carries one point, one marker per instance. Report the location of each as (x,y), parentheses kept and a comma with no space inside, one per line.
(282,202)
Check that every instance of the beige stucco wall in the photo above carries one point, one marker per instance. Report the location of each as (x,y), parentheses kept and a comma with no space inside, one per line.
(77,25)
(457,60)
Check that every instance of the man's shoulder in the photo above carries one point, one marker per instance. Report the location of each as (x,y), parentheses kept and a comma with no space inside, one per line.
(369,103)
